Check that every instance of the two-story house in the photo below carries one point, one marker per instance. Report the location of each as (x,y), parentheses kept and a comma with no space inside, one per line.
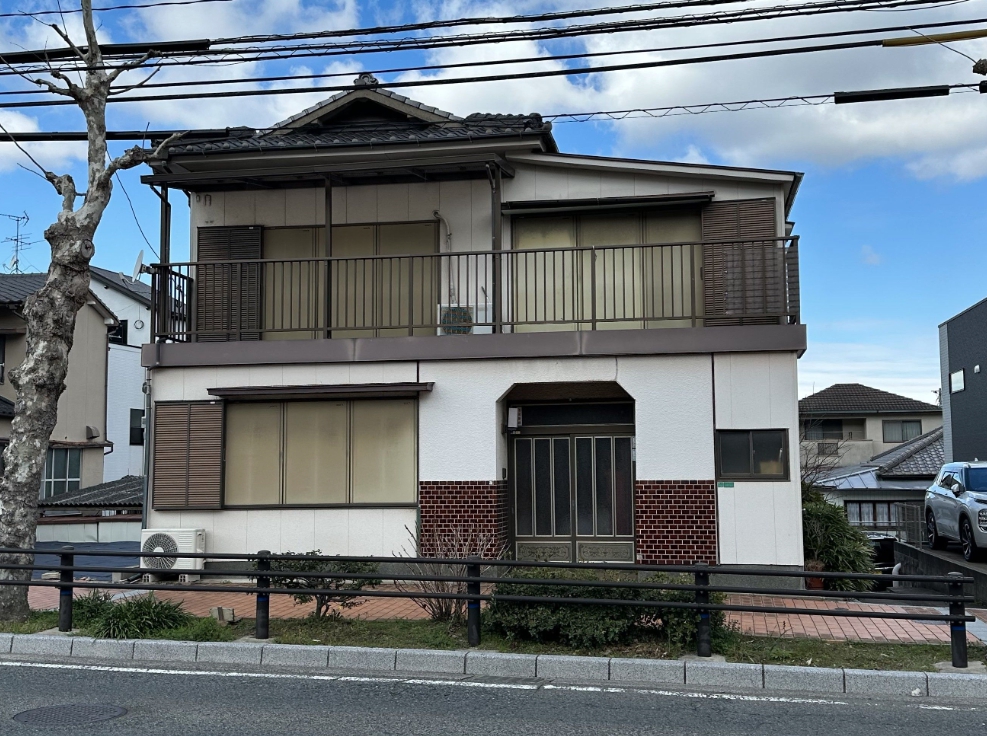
(847,424)
(962,351)
(397,318)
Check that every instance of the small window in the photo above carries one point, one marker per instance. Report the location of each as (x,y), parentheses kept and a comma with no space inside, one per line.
(759,454)
(896,430)
(136,426)
(957,381)
(118,334)
(828,448)
(63,471)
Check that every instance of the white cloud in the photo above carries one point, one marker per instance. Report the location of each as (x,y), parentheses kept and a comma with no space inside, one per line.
(870,256)
(53,156)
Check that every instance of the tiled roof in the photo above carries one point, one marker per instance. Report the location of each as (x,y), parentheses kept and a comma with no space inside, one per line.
(126,492)
(16,287)
(922,456)
(385,92)
(116,280)
(472,128)
(855,398)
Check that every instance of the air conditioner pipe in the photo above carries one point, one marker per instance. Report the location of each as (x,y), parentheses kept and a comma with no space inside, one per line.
(448,249)
(895,571)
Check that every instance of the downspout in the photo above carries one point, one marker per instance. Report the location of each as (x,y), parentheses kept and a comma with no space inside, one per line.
(453,299)
(496,225)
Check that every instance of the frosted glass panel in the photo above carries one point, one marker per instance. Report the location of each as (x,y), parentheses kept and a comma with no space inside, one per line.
(315,452)
(253,441)
(383,451)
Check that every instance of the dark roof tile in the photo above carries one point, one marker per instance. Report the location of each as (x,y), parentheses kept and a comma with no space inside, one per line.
(920,457)
(855,398)
(125,492)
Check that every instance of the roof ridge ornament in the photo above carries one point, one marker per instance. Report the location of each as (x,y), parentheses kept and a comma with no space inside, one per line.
(366,80)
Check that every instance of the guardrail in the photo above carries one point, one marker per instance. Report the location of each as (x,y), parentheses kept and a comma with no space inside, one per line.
(474,579)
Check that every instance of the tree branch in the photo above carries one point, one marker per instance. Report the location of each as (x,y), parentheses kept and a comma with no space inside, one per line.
(134,86)
(65,37)
(135,156)
(23,150)
(54,88)
(112,76)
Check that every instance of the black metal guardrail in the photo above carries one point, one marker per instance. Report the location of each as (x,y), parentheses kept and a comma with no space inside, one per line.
(474,579)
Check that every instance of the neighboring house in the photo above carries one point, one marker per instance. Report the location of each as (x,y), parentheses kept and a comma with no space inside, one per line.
(848,424)
(130,301)
(396,318)
(78,442)
(871,491)
(108,512)
(962,354)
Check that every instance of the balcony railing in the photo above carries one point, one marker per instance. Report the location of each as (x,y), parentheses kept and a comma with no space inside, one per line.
(532,290)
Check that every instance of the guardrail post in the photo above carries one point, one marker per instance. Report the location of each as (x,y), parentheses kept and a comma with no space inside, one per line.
(263,616)
(957,629)
(65,578)
(473,605)
(704,645)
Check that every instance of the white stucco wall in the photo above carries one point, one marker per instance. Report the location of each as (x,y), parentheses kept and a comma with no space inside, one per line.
(126,308)
(760,523)
(125,377)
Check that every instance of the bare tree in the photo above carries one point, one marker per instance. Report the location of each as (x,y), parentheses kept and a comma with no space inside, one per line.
(818,458)
(50,313)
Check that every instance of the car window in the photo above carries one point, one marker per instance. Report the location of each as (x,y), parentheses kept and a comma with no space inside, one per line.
(947,481)
(976,479)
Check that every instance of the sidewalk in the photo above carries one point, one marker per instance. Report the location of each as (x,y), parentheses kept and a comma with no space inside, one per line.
(827,628)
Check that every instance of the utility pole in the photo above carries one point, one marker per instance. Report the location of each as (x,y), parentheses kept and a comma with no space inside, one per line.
(19,242)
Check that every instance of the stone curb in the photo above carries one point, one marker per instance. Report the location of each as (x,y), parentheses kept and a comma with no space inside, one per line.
(816,680)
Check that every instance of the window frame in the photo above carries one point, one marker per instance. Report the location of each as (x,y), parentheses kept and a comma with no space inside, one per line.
(784,476)
(952,383)
(49,481)
(117,334)
(885,423)
(874,523)
(349,491)
(139,429)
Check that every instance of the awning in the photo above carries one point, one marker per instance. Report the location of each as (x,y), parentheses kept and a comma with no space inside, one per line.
(553,206)
(336,391)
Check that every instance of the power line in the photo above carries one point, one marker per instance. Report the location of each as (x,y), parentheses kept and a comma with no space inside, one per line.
(537,59)
(226,56)
(573,71)
(23,14)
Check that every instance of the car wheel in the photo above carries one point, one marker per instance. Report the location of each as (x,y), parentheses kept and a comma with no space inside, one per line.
(932,532)
(970,550)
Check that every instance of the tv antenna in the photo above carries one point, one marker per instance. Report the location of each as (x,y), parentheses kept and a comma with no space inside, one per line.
(19,243)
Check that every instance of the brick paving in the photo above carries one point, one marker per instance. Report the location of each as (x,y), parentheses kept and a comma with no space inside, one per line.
(828,628)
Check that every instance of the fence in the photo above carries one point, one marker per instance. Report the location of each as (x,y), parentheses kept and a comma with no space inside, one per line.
(264,569)
(519,290)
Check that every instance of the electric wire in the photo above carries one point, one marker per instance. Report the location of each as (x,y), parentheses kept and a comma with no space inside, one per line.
(60,12)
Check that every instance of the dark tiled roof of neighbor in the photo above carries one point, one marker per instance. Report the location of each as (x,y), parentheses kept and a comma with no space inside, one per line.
(6,407)
(920,457)
(115,280)
(126,492)
(16,287)
(855,398)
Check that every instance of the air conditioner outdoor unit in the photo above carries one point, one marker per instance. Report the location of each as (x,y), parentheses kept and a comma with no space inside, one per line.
(461,319)
(172,540)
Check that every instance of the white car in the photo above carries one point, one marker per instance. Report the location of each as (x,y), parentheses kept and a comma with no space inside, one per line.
(956,508)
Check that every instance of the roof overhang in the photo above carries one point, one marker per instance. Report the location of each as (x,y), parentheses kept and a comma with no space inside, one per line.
(542,206)
(337,391)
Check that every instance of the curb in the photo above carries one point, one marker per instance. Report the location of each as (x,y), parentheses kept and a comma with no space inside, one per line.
(815,680)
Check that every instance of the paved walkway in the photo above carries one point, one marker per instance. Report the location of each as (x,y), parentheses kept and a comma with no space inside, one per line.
(829,628)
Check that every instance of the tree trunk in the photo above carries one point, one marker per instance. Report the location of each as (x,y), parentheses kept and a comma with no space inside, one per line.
(39,382)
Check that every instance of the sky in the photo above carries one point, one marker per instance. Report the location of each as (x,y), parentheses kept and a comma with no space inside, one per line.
(891,213)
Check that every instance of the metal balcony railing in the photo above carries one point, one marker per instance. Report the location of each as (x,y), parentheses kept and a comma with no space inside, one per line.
(523,290)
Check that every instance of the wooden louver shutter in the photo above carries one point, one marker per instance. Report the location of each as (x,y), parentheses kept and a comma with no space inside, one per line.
(188,454)
(228,294)
(744,282)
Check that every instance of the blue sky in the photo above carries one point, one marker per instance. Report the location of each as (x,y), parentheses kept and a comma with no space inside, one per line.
(891,211)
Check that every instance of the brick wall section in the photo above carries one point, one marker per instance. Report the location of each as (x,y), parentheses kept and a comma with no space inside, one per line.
(475,507)
(675,521)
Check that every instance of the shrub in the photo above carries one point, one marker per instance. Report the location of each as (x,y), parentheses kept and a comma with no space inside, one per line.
(138,618)
(200,629)
(91,607)
(463,540)
(829,537)
(323,601)
(591,626)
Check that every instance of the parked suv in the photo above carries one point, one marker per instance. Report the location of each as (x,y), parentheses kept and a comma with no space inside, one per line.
(956,508)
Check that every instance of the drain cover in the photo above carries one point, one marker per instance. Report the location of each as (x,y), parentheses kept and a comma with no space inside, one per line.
(69,715)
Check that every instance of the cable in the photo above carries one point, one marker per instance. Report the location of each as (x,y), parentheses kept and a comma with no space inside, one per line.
(24,14)
(134,213)
(530,59)
(653,64)
(547,33)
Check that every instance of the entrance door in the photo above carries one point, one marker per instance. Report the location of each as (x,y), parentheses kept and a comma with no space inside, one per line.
(574,497)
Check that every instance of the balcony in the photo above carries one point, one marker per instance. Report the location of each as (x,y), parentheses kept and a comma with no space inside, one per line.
(666,285)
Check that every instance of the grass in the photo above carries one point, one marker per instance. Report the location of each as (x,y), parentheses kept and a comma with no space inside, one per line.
(37,621)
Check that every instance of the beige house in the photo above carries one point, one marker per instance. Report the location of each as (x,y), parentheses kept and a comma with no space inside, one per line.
(848,424)
(75,455)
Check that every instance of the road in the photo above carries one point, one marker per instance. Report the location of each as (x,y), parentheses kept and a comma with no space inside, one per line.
(191,702)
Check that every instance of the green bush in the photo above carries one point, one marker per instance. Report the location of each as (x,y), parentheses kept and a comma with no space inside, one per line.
(91,607)
(138,618)
(200,629)
(590,626)
(829,537)
(323,601)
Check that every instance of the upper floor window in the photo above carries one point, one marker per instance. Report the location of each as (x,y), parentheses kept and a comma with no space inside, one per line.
(136,426)
(118,333)
(823,429)
(756,454)
(901,430)
(63,471)
(957,381)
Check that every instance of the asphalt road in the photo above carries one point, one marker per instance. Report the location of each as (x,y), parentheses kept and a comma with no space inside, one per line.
(193,702)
